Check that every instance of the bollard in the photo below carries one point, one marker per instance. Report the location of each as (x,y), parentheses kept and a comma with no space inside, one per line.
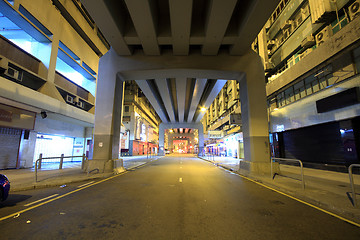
(83,161)
(61,161)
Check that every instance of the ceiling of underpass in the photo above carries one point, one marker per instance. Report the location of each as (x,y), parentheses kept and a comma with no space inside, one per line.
(182,27)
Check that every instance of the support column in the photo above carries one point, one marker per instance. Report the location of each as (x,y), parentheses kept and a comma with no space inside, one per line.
(108,111)
(164,126)
(201,137)
(161,139)
(254,117)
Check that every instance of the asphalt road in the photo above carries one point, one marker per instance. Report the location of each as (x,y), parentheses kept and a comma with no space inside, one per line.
(176,197)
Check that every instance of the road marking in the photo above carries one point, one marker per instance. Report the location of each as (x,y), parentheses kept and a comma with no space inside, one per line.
(180,179)
(296,199)
(85,184)
(301,201)
(66,194)
(40,200)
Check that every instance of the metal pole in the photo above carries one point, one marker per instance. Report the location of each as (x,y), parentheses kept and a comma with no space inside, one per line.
(302,175)
(36,163)
(40,160)
(352,185)
(61,161)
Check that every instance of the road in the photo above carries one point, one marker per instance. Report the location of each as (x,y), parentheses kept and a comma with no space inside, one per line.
(175,197)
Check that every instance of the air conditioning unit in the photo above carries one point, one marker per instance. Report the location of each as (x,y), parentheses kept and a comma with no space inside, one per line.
(287,24)
(309,41)
(354,10)
(13,73)
(4,64)
(271,44)
(80,104)
(324,35)
(69,99)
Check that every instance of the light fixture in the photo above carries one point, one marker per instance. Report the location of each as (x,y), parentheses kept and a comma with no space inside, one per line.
(43,114)
(203,109)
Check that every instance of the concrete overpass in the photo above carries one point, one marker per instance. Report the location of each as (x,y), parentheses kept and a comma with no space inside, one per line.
(181,53)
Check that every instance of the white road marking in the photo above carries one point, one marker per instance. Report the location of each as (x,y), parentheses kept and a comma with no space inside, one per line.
(40,200)
(85,184)
(180,179)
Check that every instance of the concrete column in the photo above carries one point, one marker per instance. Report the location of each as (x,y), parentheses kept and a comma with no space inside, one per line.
(108,109)
(53,57)
(161,139)
(201,137)
(164,126)
(254,117)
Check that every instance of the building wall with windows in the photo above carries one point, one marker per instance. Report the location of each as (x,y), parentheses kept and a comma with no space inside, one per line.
(222,123)
(140,121)
(49,55)
(310,50)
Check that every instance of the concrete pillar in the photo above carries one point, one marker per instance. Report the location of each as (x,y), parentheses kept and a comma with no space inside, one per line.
(254,118)
(161,139)
(164,126)
(108,110)
(201,137)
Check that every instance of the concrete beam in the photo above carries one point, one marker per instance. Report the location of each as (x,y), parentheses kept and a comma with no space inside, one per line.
(181,95)
(251,24)
(104,20)
(143,15)
(180,17)
(143,85)
(217,21)
(165,95)
(199,88)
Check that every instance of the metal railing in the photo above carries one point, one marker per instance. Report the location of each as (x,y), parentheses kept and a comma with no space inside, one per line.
(352,183)
(289,160)
(38,162)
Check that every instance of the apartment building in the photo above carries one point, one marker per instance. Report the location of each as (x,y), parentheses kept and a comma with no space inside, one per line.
(311,55)
(222,123)
(49,55)
(140,134)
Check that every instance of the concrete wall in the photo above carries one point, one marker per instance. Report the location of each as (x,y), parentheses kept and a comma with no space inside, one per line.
(27,150)
(45,12)
(303,113)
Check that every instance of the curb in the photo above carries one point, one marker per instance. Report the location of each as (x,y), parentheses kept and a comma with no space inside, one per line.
(41,185)
(328,207)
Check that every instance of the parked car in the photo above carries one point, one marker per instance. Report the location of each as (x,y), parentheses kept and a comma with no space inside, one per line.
(4,187)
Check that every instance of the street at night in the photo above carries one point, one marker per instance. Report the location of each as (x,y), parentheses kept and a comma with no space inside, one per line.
(175,197)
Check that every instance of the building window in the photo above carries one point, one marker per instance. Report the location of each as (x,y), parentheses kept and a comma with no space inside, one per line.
(299,90)
(126,109)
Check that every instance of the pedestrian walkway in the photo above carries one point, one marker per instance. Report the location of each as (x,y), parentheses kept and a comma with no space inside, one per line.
(326,189)
(51,175)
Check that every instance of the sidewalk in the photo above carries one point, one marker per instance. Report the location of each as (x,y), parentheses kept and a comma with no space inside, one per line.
(49,175)
(326,189)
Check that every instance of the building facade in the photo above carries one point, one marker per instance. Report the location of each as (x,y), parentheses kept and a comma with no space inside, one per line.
(49,59)
(311,50)
(311,55)
(141,123)
(222,123)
